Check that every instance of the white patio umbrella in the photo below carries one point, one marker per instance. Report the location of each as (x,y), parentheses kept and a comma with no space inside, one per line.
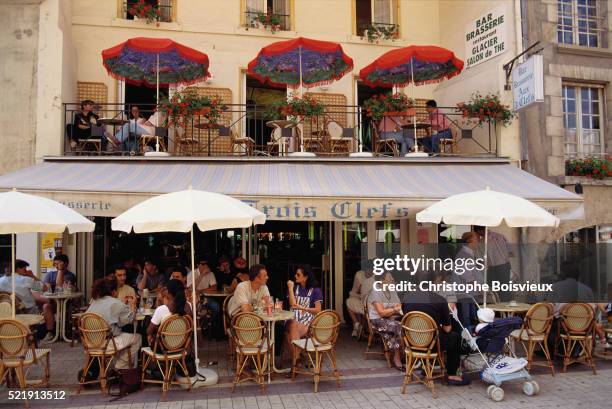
(23,213)
(178,212)
(487,208)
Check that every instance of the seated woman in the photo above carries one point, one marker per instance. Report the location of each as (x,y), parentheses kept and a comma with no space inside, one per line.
(305,300)
(362,285)
(174,302)
(383,307)
(116,314)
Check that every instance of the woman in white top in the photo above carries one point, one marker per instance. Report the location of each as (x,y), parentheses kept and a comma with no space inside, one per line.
(384,308)
(174,302)
(116,314)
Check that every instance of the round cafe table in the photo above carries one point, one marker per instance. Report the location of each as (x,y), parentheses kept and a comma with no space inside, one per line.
(61,301)
(509,309)
(270,320)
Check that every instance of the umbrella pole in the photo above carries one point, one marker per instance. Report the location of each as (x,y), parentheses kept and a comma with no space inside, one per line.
(194,304)
(485,264)
(157,101)
(301,95)
(416,141)
(13,271)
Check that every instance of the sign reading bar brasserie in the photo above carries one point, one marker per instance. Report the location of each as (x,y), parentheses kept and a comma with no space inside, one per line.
(486,37)
(528,83)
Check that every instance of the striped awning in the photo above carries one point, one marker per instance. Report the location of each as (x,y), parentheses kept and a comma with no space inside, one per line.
(285,189)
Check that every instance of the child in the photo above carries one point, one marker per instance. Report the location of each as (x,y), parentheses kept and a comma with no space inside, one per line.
(485,316)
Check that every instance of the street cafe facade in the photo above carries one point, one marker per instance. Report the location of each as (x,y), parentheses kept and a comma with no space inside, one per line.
(329,213)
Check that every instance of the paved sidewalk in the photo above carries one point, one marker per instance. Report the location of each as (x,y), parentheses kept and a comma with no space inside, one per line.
(365,384)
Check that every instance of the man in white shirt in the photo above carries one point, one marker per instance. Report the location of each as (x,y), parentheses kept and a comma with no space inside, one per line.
(25,283)
(499,252)
(205,282)
(125,293)
(137,126)
(252,293)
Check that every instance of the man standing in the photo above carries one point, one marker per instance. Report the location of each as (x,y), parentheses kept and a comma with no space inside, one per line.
(439,123)
(499,252)
(252,293)
(150,278)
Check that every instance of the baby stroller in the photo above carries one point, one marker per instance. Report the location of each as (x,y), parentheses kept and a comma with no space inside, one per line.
(493,358)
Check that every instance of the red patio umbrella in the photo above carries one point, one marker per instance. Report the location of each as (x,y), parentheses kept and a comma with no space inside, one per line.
(415,65)
(155,61)
(300,62)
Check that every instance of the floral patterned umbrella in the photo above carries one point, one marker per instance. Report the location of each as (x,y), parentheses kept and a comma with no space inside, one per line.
(301,61)
(414,64)
(155,62)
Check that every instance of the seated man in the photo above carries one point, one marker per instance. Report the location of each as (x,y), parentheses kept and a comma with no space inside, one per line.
(439,123)
(205,282)
(391,128)
(130,132)
(25,283)
(250,294)
(150,278)
(56,279)
(125,292)
(436,307)
(82,125)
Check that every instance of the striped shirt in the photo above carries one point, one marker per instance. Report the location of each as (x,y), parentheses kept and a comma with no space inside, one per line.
(498,249)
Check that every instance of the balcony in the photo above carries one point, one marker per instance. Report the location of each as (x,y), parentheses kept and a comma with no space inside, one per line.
(247,130)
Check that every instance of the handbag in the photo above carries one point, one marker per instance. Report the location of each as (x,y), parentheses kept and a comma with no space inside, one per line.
(124,382)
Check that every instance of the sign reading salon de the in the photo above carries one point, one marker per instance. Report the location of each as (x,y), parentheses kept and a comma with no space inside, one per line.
(486,37)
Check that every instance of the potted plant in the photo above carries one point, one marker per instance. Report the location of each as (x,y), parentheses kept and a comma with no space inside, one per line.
(591,167)
(297,107)
(268,20)
(183,106)
(145,11)
(388,105)
(376,32)
(486,108)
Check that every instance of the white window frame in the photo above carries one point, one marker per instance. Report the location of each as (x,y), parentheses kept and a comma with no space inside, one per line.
(578,100)
(575,27)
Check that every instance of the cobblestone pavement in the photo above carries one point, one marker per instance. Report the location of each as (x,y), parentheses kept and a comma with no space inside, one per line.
(365,384)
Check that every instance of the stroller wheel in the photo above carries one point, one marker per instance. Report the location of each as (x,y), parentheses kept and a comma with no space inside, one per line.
(531,388)
(497,394)
(490,389)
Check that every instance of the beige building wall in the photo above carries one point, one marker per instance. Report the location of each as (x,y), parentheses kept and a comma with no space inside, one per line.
(18,78)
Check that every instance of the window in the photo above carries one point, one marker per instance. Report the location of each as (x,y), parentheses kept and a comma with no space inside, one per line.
(165,7)
(578,23)
(279,9)
(582,120)
(380,14)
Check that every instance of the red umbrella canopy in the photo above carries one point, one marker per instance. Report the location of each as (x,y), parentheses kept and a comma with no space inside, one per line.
(135,61)
(429,63)
(322,62)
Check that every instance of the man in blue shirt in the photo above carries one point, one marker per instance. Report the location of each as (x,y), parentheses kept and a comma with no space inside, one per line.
(56,279)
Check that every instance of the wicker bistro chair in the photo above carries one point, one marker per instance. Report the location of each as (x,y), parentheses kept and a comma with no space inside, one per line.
(6,297)
(319,343)
(18,352)
(421,346)
(575,332)
(534,332)
(252,346)
(171,346)
(373,335)
(6,310)
(99,344)
(341,139)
